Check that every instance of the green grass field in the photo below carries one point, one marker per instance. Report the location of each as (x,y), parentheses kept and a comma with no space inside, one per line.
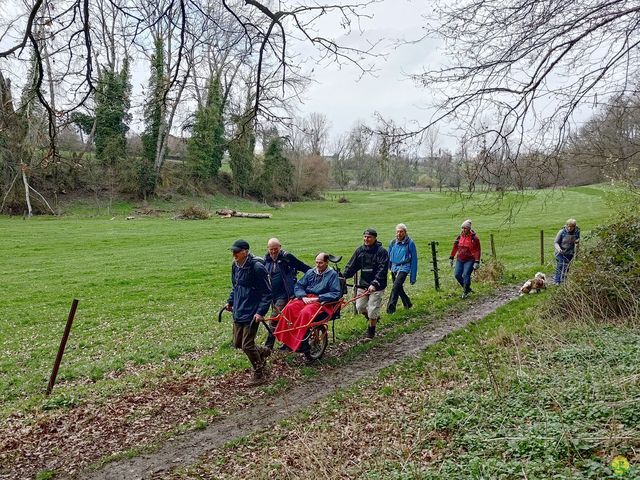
(149,287)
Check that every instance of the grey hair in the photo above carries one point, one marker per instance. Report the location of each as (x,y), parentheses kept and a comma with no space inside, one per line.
(572,221)
(401,226)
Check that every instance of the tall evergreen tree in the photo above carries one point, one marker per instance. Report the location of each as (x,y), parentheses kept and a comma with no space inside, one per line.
(113,93)
(153,119)
(241,149)
(276,179)
(206,145)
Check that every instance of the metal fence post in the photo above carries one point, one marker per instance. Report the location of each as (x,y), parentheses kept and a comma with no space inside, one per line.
(434,260)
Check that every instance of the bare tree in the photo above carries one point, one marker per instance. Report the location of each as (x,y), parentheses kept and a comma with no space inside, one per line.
(265,30)
(316,129)
(530,65)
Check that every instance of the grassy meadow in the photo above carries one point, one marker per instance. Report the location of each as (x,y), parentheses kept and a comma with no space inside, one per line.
(149,287)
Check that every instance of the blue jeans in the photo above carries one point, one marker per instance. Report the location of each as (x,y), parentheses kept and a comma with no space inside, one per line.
(462,272)
(562,266)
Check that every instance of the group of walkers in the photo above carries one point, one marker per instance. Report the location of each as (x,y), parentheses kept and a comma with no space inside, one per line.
(261,283)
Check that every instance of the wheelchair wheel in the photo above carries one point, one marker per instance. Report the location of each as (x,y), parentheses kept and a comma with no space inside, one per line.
(318,340)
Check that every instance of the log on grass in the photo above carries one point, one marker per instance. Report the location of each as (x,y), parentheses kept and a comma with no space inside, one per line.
(225,212)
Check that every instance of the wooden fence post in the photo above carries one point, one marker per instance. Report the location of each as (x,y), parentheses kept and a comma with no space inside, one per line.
(63,344)
(541,247)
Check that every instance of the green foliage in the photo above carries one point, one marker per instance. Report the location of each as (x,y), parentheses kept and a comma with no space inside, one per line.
(45,475)
(206,146)
(276,179)
(153,119)
(241,154)
(113,92)
(604,282)
(83,121)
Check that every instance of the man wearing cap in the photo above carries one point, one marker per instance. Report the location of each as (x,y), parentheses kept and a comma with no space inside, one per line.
(282,268)
(249,301)
(372,260)
(466,251)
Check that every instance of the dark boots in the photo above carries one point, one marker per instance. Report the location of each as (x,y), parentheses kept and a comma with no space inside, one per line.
(258,358)
(371,331)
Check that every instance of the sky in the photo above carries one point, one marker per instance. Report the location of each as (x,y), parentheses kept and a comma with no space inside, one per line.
(346,97)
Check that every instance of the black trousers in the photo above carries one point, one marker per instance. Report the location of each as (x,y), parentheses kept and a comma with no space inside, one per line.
(397,291)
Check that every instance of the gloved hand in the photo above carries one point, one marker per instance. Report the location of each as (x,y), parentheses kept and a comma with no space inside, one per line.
(476,265)
(451,261)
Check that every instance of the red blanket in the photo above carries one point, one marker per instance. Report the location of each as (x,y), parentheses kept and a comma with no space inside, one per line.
(295,314)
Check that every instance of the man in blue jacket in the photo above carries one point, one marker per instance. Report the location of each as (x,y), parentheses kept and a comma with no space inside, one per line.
(403,262)
(317,288)
(249,301)
(282,268)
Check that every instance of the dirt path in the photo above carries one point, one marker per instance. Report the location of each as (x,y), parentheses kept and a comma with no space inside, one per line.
(186,449)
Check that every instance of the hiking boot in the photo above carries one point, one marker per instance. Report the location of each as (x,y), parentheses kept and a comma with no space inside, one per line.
(391,311)
(371,332)
(465,294)
(409,307)
(258,378)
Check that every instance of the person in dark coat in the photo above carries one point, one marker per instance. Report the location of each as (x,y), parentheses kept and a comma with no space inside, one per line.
(249,301)
(282,267)
(372,261)
(565,248)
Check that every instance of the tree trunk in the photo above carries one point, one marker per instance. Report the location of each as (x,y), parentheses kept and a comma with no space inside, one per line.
(23,167)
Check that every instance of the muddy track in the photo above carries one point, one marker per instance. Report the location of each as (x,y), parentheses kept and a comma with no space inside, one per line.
(186,449)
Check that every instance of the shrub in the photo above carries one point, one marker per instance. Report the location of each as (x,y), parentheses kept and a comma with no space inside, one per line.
(193,212)
(490,272)
(604,281)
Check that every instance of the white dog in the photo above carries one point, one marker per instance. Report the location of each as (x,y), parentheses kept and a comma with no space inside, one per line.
(536,284)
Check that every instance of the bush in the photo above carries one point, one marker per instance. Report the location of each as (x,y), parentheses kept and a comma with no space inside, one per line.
(604,281)
(193,212)
(490,272)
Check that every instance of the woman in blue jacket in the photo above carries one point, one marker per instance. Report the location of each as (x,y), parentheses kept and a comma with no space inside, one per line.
(403,262)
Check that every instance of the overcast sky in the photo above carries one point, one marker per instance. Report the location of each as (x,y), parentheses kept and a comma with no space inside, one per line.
(345,98)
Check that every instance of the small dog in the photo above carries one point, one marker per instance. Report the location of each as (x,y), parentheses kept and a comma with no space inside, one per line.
(536,284)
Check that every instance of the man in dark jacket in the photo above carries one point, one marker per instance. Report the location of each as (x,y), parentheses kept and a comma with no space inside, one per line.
(282,268)
(372,260)
(249,301)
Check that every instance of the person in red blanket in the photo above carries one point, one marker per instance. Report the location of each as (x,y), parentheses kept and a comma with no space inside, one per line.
(317,288)
(466,251)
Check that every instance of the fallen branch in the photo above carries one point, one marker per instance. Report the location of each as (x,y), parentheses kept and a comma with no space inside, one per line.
(227,213)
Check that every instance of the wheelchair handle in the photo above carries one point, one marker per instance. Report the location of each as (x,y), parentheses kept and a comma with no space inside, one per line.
(222,310)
